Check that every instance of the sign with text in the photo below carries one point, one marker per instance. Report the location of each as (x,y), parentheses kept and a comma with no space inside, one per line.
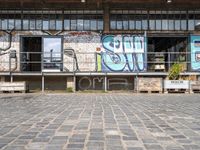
(176,84)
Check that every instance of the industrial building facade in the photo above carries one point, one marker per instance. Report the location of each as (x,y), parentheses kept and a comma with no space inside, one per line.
(97,44)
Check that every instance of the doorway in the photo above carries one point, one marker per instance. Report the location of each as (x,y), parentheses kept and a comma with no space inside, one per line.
(44,53)
(31,54)
(163,52)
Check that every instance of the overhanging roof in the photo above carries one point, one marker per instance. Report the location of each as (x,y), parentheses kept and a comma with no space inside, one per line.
(95,4)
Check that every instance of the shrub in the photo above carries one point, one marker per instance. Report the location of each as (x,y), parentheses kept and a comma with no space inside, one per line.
(175,70)
(70,90)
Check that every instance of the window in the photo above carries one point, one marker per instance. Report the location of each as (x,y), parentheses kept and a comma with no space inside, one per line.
(32,24)
(45,24)
(38,24)
(144,24)
(152,24)
(11,24)
(165,24)
(73,23)
(25,24)
(93,24)
(131,24)
(52,54)
(52,24)
(119,24)
(165,21)
(52,20)
(113,23)
(128,20)
(154,20)
(4,24)
(158,24)
(66,22)
(59,25)
(86,20)
(86,24)
(100,24)
(177,25)
(80,24)
(92,20)
(183,24)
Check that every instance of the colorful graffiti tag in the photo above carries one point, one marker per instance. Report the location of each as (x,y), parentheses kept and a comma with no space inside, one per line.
(122,53)
(195,53)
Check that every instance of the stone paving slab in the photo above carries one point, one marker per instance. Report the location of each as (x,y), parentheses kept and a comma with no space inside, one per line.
(99,122)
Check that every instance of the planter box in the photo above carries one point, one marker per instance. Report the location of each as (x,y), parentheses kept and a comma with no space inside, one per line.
(150,85)
(13,87)
(176,85)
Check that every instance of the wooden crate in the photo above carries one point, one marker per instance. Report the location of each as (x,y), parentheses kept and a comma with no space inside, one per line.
(149,85)
(195,87)
(7,87)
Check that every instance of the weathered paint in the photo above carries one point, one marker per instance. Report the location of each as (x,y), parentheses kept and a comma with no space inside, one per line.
(115,53)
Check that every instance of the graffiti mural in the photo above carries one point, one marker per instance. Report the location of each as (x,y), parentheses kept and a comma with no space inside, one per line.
(87,51)
(122,53)
(195,53)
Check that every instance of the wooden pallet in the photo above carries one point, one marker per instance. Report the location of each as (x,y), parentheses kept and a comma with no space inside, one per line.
(176,91)
(4,92)
(195,91)
(149,92)
(195,87)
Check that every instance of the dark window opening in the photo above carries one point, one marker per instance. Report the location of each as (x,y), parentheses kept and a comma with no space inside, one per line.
(163,52)
(31,54)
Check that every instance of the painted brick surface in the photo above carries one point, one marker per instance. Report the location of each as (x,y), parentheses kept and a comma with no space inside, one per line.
(80,42)
(88,51)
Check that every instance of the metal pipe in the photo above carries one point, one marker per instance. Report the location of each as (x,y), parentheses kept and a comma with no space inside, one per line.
(105,83)
(43,83)
(10,40)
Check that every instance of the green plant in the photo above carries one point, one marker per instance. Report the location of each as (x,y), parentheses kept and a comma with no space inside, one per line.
(175,70)
(70,90)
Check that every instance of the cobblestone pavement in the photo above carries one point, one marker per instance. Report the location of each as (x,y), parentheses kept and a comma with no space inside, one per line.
(100,122)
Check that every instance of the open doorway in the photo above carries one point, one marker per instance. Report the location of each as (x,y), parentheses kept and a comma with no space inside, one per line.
(31,54)
(44,53)
(163,52)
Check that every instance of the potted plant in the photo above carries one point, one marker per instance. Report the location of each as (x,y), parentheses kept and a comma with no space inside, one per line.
(175,82)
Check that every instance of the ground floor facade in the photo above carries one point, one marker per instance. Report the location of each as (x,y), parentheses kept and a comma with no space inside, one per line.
(81,60)
(101,49)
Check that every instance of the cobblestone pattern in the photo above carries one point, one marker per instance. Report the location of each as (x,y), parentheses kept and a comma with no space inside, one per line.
(100,122)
